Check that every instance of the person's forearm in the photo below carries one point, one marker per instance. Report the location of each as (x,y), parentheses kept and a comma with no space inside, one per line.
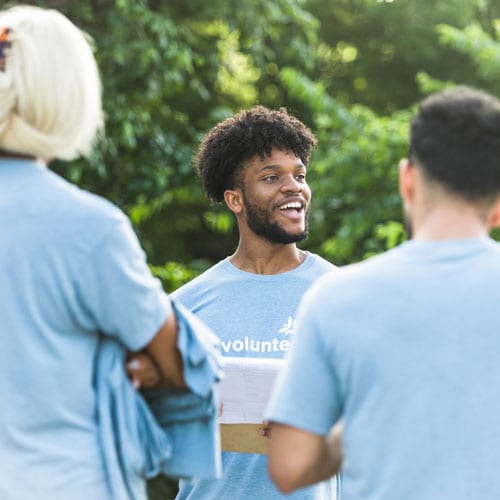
(298,458)
(333,459)
(164,352)
(328,461)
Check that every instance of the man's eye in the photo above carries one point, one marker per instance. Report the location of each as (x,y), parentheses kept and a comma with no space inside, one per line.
(301,177)
(270,178)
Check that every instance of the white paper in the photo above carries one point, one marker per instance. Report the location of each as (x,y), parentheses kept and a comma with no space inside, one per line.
(246,388)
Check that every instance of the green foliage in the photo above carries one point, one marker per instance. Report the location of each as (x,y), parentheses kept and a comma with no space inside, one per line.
(482,47)
(350,69)
(173,275)
(428,85)
(372,50)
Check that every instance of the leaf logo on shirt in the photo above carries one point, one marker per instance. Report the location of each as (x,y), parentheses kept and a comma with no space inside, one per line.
(288,328)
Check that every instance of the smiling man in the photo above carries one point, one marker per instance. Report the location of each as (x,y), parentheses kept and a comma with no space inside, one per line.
(256,163)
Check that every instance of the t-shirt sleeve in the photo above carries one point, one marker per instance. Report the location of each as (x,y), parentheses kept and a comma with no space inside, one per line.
(307,395)
(117,293)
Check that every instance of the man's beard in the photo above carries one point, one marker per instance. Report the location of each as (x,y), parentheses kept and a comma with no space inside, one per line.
(258,221)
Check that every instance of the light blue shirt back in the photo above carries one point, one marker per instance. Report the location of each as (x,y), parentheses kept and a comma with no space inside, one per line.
(70,268)
(405,347)
(254,316)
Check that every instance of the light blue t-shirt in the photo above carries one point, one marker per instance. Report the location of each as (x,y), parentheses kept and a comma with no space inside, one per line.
(70,267)
(254,316)
(405,347)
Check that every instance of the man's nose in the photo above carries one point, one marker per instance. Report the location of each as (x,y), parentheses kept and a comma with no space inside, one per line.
(290,183)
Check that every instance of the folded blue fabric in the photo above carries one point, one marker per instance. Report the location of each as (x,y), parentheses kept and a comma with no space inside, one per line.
(175,433)
(191,424)
(200,350)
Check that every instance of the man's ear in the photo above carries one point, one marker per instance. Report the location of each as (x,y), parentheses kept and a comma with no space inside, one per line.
(234,200)
(494,215)
(407,174)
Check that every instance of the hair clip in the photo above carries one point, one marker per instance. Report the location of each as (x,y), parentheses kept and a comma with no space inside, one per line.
(4,43)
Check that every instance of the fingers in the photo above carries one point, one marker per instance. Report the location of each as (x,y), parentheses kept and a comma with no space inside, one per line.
(142,371)
(265,431)
(132,368)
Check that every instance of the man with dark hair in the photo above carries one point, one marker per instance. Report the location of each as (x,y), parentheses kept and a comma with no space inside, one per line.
(403,348)
(256,163)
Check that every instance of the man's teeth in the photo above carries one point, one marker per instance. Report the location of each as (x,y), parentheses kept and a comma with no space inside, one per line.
(296,205)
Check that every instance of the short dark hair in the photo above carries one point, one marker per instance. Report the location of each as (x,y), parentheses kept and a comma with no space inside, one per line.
(226,148)
(455,140)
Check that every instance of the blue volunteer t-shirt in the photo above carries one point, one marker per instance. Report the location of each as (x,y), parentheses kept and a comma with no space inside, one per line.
(254,316)
(71,269)
(405,347)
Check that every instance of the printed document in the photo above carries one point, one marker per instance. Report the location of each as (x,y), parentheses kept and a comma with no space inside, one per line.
(246,388)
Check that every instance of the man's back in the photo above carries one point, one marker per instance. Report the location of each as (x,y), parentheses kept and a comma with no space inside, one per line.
(406,348)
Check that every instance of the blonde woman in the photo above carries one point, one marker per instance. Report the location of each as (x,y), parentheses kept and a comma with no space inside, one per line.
(70,267)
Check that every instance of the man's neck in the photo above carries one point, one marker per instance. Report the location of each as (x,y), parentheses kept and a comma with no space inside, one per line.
(448,223)
(267,258)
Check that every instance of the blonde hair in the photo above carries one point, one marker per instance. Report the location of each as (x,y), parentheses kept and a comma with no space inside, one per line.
(50,91)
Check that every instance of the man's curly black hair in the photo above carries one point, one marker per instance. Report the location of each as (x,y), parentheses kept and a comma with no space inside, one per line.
(226,148)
